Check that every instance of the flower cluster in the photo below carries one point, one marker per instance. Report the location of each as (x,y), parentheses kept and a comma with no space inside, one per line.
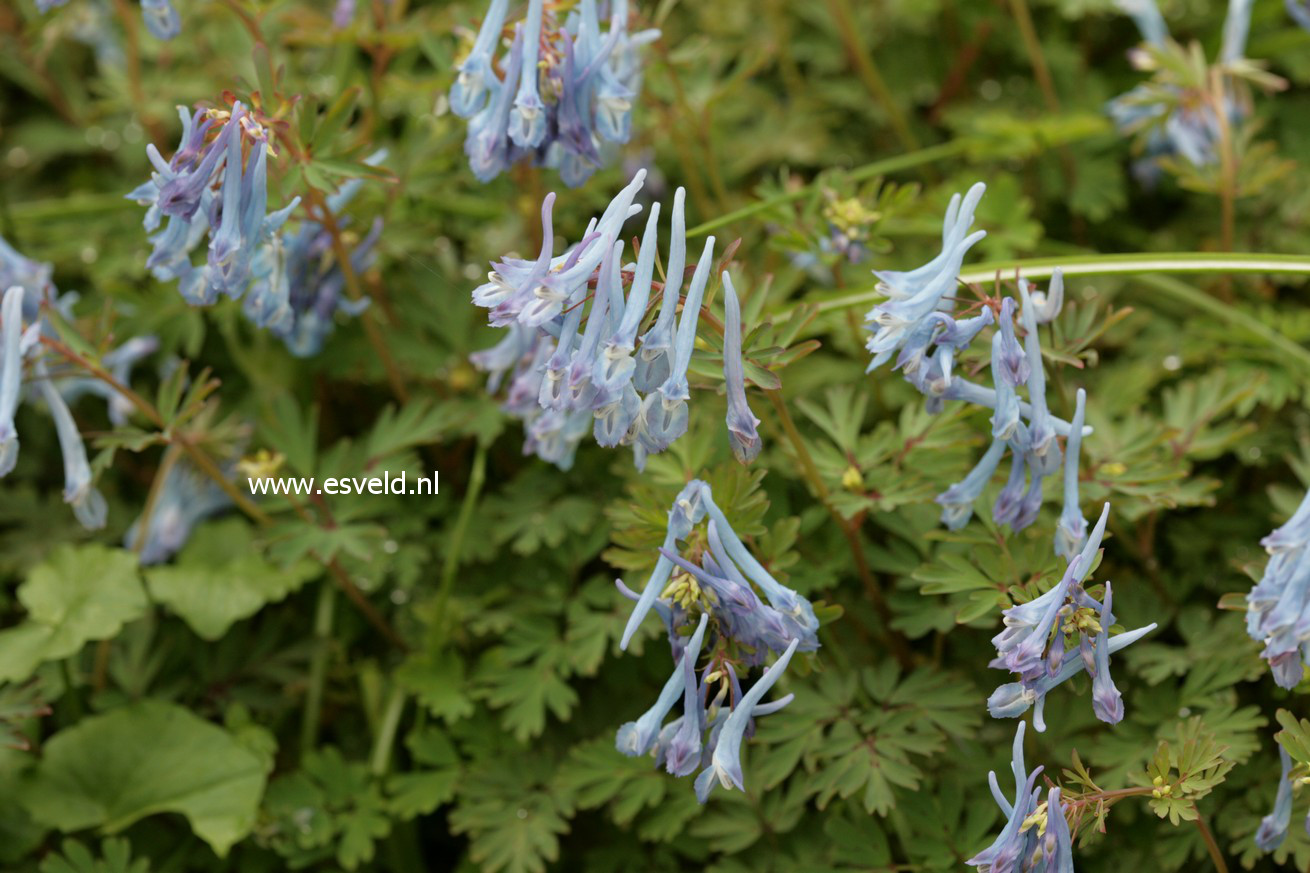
(1278,606)
(1040,635)
(714,585)
(1036,836)
(215,187)
(564,88)
(161,18)
(1273,827)
(573,369)
(915,325)
(1180,116)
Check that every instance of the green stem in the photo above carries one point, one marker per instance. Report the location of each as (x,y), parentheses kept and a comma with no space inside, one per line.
(1111,265)
(477,476)
(386,738)
(904,161)
(323,619)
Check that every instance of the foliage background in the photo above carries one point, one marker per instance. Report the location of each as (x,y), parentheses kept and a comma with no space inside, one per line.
(288,732)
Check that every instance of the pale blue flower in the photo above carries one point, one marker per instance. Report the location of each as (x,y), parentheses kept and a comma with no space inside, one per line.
(636,738)
(11,374)
(87,502)
(742,433)
(185,499)
(1013,845)
(725,763)
(1273,827)
(161,18)
(1072,528)
(477,77)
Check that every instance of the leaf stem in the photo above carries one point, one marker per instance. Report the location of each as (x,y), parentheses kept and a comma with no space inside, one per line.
(380,761)
(455,548)
(1220,865)
(323,620)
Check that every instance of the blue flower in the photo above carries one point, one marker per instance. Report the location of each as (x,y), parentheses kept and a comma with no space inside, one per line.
(161,18)
(87,502)
(476,78)
(11,374)
(1014,844)
(185,499)
(687,511)
(587,307)
(1273,827)
(563,89)
(636,738)
(742,433)
(725,762)
(1072,529)
(1032,645)
(958,500)
(1300,12)
(1277,604)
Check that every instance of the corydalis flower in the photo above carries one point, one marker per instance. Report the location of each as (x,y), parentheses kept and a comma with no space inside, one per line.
(87,502)
(1273,827)
(1033,644)
(915,325)
(561,92)
(742,423)
(215,187)
(1015,845)
(160,17)
(1278,606)
(185,499)
(573,368)
(718,592)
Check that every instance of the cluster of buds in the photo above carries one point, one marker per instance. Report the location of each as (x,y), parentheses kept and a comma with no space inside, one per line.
(716,585)
(563,90)
(1278,606)
(574,368)
(27,295)
(915,325)
(215,187)
(1036,836)
(161,18)
(1040,636)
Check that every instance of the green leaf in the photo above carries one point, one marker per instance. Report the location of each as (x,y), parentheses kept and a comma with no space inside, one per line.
(220,578)
(112,770)
(76,858)
(79,594)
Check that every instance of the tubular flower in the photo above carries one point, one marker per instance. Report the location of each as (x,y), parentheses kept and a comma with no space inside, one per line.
(742,615)
(1033,643)
(915,324)
(1273,827)
(215,187)
(88,504)
(185,499)
(1300,12)
(1015,845)
(742,423)
(1278,606)
(562,91)
(577,367)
